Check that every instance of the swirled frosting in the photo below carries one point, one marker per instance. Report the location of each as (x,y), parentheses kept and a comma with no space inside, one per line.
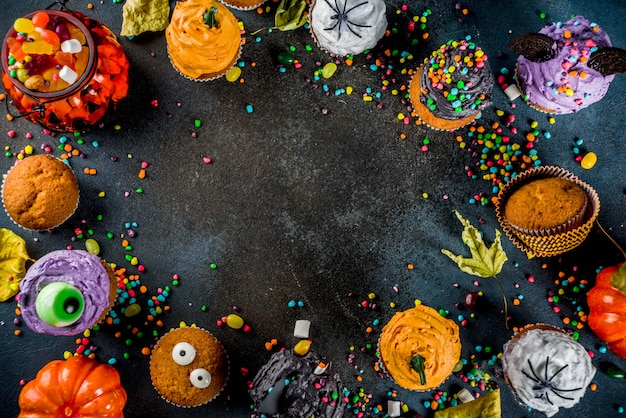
(547,369)
(345,27)
(307,393)
(79,268)
(197,49)
(419,331)
(565,84)
(456,81)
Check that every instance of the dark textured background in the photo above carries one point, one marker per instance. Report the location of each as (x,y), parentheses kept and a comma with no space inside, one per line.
(299,204)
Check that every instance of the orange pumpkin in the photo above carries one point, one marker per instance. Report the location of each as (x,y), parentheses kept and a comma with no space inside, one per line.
(607,308)
(78,387)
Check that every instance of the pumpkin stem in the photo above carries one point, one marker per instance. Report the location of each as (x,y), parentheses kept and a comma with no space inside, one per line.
(611,239)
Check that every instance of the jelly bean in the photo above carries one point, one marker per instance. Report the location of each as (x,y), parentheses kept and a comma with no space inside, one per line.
(51,37)
(329,70)
(132,310)
(470,299)
(35,82)
(22,74)
(63,32)
(285,58)
(234,321)
(92,246)
(615,372)
(40,19)
(589,160)
(23,25)
(302,347)
(37,47)
(233,74)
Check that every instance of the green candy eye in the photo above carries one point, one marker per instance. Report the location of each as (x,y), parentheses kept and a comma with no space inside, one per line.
(59,304)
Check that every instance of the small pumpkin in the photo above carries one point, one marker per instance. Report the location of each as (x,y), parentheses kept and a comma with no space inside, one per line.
(607,308)
(78,387)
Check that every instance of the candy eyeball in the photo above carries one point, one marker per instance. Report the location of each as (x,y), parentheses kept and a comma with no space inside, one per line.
(59,304)
(200,378)
(183,353)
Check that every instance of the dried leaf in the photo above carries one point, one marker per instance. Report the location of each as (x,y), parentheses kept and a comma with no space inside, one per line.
(144,16)
(485,262)
(13,257)
(618,280)
(290,14)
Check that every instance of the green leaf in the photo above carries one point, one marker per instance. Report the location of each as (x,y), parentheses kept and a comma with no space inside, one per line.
(13,257)
(618,280)
(485,262)
(417,364)
(290,14)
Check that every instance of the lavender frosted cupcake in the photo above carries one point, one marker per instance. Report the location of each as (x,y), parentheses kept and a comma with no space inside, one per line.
(66,292)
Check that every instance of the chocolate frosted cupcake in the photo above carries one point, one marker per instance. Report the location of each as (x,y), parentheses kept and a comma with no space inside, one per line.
(419,348)
(453,86)
(293,386)
(40,192)
(547,211)
(567,66)
(66,292)
(189,367)
(546,368)
(347,27)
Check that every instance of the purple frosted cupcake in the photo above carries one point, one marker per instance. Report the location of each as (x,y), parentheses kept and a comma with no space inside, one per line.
(66,292)
(567,66)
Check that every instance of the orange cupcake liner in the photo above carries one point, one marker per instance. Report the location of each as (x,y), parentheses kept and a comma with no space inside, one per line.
(554,241)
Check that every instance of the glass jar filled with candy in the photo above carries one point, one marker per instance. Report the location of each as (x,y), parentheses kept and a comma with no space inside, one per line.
(63,70)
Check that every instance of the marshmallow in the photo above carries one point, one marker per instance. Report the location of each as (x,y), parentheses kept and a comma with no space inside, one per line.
(301,329)
(72,46)
(393,408)
(68,75)
(512,92)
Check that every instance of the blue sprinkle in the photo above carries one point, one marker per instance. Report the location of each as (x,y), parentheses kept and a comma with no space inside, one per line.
(112,361)
(249,108)
(579,142)
(95,144)
(291,304)
(504,70)
(282,70)
(300,303)
(63,139)
(602,349)
(547,135)
(373,67)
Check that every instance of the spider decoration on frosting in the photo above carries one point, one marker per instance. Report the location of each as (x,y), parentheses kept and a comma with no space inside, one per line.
(341,16)
(544,384)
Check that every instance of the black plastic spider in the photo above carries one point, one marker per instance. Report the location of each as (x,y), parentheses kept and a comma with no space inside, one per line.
(342,16)
(544,385)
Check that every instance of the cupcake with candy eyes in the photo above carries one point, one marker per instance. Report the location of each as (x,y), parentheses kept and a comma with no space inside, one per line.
(66,292)
(189,367)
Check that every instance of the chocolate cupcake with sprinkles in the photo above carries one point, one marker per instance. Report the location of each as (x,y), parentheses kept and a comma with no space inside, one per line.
(453,86)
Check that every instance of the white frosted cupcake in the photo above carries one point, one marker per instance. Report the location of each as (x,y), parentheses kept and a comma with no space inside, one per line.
(546,368)
(347,27)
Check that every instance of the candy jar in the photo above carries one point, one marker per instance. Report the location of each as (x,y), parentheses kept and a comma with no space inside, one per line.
(63,70)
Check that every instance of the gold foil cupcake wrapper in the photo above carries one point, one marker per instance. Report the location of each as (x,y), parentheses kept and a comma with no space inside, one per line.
(554,241)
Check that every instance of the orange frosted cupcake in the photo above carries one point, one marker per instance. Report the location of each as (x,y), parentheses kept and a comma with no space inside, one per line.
(243,4)
(419,348)
(203,39)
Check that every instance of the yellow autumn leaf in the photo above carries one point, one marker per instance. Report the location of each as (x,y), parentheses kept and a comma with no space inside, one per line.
(13,257)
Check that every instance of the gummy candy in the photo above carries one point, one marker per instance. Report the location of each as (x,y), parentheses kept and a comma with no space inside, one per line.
(40,19)
(37,47)
(24,25)
(51,37)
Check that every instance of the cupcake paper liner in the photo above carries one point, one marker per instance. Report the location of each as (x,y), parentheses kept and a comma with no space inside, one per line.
(554,241)
(51,227)
(459,123)
(233,5)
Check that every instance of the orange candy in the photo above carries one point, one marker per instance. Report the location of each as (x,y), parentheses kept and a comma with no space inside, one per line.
(40,19)
(50,37)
